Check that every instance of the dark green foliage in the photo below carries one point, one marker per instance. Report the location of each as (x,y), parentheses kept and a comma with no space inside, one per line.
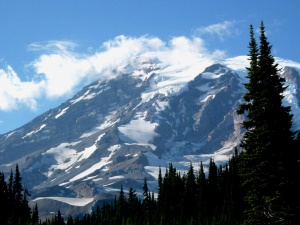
(13,200)
(35,215)
(269,162)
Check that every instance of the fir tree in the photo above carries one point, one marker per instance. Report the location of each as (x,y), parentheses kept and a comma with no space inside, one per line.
(17,186)
(3,198)
(35,215)
(268,158)
(189,200)
(70,221)
(201,196)
(121,206)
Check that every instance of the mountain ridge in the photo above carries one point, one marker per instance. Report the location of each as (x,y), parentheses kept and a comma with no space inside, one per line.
(120,130)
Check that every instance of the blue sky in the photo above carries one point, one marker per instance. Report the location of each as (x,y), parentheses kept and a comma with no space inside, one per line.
(50,49)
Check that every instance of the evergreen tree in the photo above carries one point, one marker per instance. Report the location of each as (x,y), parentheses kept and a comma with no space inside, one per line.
(189,200)
(35,215)
(70,221)
(25,211)
(160,189)
(268,159)
(146,194)
(212,191)
(58,220)
(3,198)
(10,189)
(201,196)
(121,205)
(17,187)
(13,200)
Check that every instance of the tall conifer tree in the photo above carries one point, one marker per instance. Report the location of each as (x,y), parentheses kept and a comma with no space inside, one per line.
(267,161)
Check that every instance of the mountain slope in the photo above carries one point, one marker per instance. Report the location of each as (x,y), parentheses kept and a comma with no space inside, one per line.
(120,130)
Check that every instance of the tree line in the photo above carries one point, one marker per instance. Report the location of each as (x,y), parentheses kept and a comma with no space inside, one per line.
(188,198)
(259,184)
(14,201)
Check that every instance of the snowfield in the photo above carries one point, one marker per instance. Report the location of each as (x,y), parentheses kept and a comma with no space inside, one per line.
(100,165)
(69,201)
(138,130)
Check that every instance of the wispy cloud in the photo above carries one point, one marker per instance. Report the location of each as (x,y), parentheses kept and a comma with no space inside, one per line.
(60,69)
(221,30)
(52,46)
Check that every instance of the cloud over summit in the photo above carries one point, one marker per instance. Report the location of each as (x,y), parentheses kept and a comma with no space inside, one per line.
(59,68)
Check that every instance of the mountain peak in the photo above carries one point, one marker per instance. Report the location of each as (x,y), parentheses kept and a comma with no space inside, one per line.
(120,130)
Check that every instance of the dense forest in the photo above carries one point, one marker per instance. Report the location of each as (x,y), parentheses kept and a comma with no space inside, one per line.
(190,198)
(258,185)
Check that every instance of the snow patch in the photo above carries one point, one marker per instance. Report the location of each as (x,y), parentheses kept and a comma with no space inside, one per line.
(89,178)
(204,87)
(35,131)
(104,161)
(165,91)
(87,152)
(161,105)
(153,147)
(138,130)
(8,135)
(116,177)
(109,121)
(69,201)
(61,112)
(64,156)
(291,100)
(154,164)
(85,96)
(214,75)
(204,98)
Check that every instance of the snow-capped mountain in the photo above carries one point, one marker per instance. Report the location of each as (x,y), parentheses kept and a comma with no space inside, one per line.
(120,130)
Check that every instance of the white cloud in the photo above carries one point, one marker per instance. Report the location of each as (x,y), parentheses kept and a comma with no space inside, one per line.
(61,72)
(221,30)
(14,92)
(59,68)
(52,46)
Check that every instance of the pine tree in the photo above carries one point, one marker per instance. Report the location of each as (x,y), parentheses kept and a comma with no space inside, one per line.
(25,211)
(3,198)
(70,221)
(160,189)
(121,205)
(201,196)
(17,187)
(10,188)
(146,200)
(59,220)
(35,215)
(268,157)
(189,200)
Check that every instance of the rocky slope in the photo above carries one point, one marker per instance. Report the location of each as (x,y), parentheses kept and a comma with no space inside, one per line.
(121,130)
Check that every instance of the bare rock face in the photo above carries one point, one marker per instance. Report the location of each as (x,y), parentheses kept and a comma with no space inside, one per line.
(119,131)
